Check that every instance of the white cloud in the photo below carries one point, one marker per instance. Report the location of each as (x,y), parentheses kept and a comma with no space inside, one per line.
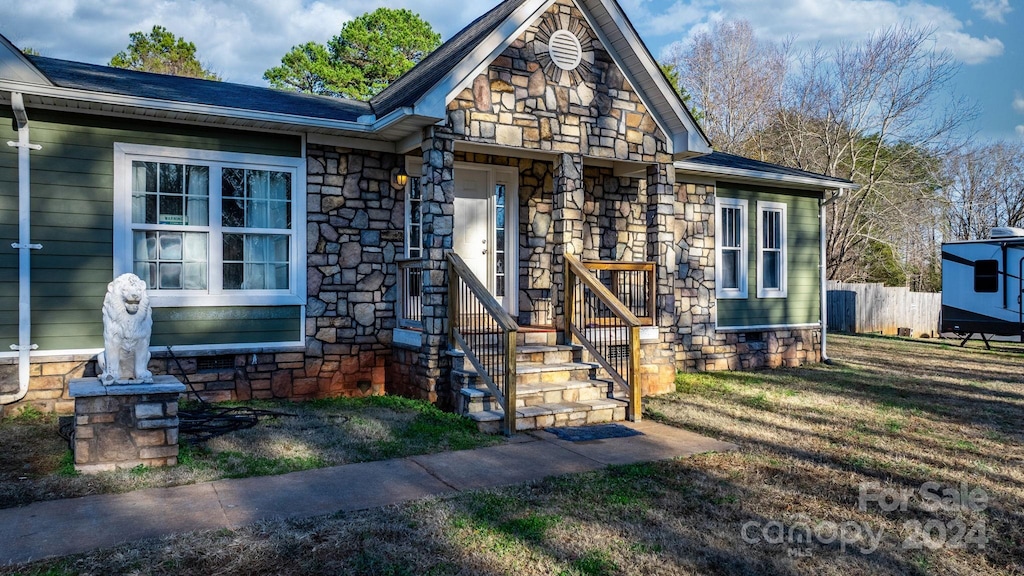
(241,38)
(830,22)
(1020,130)
(238,39)
(1018,103)
(994,10)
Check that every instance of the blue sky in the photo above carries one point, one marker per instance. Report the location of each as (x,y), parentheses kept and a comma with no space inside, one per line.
(241,38)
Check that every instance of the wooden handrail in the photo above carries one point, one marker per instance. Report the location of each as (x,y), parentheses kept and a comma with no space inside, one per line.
(602,292)
(500,315)
(651,270)
(502,383)
(575,270)
(614,265)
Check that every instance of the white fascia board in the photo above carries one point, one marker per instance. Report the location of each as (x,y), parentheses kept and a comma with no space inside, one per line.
(758,176)
(174,107)
(435,101)
(15,66)
(694,140)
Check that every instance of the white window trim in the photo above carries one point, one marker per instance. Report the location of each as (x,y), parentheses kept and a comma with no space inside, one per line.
(763,292)
(124,154)
(720,290)
(415,172)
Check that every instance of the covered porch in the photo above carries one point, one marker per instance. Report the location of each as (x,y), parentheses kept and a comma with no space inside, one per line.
(523,263)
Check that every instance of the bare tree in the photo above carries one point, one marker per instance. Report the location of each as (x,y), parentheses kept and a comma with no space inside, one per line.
(877,113)
(735,81)
(983,187)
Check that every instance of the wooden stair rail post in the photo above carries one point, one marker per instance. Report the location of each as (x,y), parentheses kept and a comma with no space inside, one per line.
(635,393)
(481,303)
(453,305)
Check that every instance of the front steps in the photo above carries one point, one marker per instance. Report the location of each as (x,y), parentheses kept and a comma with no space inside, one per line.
(554,388)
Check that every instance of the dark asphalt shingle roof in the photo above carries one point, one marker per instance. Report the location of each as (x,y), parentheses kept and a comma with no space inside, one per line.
(95,78)
(413,84)
(724,160)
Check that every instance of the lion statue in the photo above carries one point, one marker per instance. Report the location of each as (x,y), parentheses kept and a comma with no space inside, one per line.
(127,326)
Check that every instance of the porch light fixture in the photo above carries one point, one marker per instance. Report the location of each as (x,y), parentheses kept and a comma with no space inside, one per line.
(400,178)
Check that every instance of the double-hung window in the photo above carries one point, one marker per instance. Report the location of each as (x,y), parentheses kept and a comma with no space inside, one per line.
(205,228)
(771,250)
(731,248)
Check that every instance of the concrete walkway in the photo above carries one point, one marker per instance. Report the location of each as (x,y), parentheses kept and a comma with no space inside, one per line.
(63,527)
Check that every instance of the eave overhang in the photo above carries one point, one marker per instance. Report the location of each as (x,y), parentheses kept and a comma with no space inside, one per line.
(757,177)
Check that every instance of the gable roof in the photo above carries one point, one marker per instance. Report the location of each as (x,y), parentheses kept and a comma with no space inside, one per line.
(731,166)
(413,84)
(428,88)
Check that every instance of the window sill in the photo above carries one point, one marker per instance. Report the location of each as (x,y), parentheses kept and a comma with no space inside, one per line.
(771,295)
(223,300)
(731,295)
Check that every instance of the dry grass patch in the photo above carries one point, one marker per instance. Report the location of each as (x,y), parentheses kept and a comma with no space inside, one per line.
(893,412)
(37,463)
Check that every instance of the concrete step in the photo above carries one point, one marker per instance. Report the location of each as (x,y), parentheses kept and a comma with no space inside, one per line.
(554,414)
(527,337)
(545,354)
(479,398)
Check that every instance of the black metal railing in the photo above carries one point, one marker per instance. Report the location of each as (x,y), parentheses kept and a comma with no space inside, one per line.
(632,283)
(486,333)
(606,327)
(410,295)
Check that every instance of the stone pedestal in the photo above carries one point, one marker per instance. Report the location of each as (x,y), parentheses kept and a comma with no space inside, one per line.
(125,425)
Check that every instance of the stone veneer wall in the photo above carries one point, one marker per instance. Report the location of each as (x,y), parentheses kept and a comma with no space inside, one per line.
(524,101)
(355,232)
(699,346)
(614,226)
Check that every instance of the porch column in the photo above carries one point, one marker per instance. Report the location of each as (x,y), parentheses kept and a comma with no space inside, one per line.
(568,225)
(438,186)
(661,247)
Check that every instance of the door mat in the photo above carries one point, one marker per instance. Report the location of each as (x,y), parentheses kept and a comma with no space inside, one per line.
(598,432)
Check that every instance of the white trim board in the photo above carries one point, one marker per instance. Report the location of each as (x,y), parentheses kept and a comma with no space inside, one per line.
(766,327)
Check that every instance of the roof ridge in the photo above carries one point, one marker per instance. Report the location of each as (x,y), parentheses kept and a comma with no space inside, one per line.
(385,102)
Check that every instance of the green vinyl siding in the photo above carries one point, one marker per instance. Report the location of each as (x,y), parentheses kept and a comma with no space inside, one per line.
(202,326)
(72,187)
(802,304)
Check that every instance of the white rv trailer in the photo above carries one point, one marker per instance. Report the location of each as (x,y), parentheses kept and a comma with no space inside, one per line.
(982,286)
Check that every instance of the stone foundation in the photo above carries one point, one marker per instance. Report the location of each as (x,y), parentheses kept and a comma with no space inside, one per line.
(124,426)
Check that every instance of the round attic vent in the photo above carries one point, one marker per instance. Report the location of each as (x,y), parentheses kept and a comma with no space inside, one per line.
(565,50)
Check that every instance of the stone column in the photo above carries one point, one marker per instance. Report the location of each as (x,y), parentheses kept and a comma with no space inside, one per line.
(568,224)
(661,246)
(438,186)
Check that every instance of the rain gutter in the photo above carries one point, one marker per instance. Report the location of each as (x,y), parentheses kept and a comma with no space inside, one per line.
(24,248)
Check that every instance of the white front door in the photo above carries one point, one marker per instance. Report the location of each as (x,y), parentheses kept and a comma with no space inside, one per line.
(486,230)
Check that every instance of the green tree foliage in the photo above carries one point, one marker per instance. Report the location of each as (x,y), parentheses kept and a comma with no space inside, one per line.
(30,51)
(162,52)
(674,78)
(369,53)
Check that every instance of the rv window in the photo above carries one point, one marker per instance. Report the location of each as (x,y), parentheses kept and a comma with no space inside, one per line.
(986,276)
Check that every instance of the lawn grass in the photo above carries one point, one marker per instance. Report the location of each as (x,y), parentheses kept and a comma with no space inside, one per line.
(37,464)
(892,412)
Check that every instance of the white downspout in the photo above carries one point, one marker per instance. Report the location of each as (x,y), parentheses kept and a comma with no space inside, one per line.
(824,273)
(24,247)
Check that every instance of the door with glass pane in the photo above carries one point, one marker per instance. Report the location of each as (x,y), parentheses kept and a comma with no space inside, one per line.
(486,225)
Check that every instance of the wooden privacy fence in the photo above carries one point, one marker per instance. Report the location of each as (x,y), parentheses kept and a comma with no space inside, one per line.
(874,308)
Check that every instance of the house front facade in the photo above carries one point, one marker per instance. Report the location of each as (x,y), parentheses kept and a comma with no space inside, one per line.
(535,180)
